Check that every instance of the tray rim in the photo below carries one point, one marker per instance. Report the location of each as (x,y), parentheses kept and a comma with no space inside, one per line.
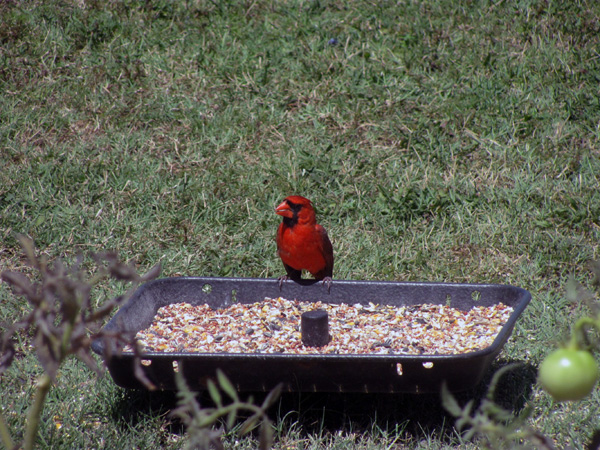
(524,298)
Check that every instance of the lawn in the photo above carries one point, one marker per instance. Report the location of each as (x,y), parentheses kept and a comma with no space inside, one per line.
(445,140)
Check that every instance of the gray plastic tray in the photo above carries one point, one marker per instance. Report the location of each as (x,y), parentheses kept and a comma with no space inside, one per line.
(314,373)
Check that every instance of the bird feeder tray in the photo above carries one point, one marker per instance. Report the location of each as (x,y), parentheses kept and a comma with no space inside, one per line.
(308,372)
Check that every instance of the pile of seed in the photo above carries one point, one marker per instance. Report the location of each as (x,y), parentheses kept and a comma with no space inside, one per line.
(273,326)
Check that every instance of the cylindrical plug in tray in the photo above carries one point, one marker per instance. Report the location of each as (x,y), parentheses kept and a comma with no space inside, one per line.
(314,326)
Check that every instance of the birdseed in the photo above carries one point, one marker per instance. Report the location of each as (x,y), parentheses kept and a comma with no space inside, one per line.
(273,326)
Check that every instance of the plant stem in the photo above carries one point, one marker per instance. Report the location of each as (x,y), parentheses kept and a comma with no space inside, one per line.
(33,417)
(64,350)
(578,330)
(5,433)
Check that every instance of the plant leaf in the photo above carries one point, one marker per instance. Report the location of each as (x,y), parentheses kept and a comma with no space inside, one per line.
(572,289)
(463,422)
(468,407)
(226,385)
(45,355)
(20,282)
(139,373)
(496,379)
(449,402)
(272,397)
(153,273)
(249,424)
(595,268)
(214,393)
(7,355)
(28,249)
(265,438)
(231,418)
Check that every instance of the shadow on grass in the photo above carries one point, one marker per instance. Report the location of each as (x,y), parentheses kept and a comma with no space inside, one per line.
(418,416)
(135,407)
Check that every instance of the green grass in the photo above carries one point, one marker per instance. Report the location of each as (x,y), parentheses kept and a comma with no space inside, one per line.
(439,141)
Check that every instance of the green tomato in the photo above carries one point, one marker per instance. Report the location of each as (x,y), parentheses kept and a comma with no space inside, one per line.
(568,374)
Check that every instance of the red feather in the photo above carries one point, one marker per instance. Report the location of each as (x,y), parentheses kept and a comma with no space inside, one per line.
(303,244)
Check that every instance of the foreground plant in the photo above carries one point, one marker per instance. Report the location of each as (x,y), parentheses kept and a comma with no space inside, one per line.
(498,426)
(63,321)
(569,373)
(201,421)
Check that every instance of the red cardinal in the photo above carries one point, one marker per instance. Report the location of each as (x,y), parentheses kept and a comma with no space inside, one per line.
(301,242)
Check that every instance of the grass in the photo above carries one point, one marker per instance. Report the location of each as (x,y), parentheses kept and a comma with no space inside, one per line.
(439,141)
